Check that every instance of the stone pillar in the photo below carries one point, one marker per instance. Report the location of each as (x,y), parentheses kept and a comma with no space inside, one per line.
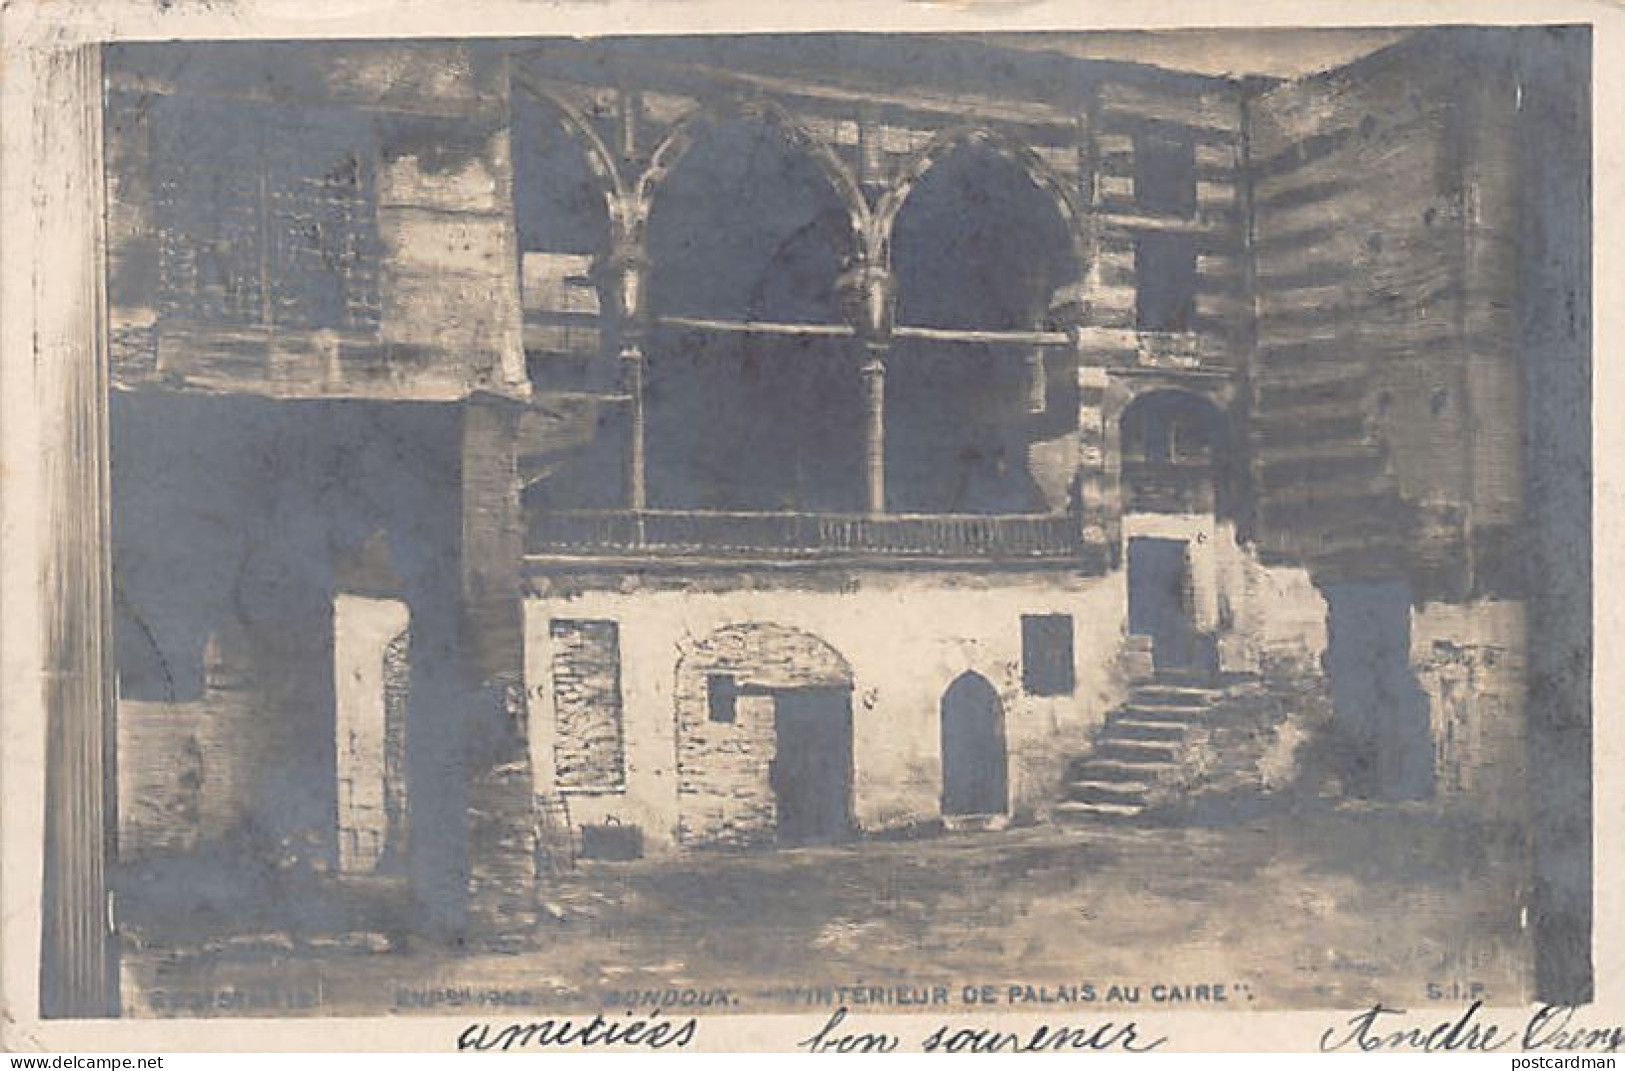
(637,495)
(623,273)
(78,955)
(1071,309)
(493,533)
(868,302)
(1097,508)
(499,813)
(1037,382)
(874,431)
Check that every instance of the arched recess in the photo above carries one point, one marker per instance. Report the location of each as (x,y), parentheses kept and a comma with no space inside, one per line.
(977,245)
(764,738)
(1175,453)
(1056,187)
(746,225)
(694,126)
(565,196)
(568,202)
(975,763)
(604,185)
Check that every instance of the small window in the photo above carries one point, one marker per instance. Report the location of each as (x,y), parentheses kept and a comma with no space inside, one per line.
(1165,174)
(1165,274)
(722,695)
(1046,654)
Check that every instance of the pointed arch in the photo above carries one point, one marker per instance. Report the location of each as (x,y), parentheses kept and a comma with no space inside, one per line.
(687,130)
(1041,174)
(601,165)
(975,759)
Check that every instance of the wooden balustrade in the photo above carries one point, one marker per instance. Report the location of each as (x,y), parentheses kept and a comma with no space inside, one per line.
(797,535)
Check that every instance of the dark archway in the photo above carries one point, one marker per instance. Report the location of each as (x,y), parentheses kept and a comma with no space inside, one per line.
(1176,454)
(811,775)
(975,765)
(976,246)
(561,192)
(748,228)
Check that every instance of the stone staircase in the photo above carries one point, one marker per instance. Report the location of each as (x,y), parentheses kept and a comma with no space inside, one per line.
(1141,744)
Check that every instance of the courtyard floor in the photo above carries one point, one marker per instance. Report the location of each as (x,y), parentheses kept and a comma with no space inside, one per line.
(1336,907)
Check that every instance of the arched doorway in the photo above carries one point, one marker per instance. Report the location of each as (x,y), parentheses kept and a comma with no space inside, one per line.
(975,772)
(764,715)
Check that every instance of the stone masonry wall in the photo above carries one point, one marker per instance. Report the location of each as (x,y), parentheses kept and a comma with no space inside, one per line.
(587,743)
(181,764)
(724,794)
(906,637)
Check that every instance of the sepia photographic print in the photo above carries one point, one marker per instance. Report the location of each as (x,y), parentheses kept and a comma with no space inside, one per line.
(572,530)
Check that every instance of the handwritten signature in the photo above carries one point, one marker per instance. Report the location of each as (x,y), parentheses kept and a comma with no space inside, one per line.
(1382,1029)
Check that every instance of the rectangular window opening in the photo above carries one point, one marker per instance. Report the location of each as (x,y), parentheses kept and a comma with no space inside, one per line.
(1046,654)
(722,698)
(1165,174)
(1165,278)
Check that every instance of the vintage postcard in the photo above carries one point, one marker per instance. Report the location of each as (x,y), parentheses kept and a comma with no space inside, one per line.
(951,528)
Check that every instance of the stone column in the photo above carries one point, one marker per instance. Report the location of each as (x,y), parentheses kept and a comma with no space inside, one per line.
(874,432)
(1037,382)
(486,682)
(637,495)
(624,271)
(869,300)
(493,533)
(1099,511)
(78,955)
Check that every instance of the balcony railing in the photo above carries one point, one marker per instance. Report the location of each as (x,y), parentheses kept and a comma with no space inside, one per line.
(674,533)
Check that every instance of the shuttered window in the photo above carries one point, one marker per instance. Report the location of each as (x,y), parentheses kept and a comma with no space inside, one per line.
(265,217)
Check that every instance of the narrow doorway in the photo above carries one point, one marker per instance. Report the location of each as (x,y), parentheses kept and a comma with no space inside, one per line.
(1159,601)
(975,770)
(812,766)
(371,652)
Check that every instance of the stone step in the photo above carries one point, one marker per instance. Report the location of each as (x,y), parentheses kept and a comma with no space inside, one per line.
(1137,750)
(1166,695)
(1114,792)
(1071,811)
(1129,728)
(1162,712)
(1092,768)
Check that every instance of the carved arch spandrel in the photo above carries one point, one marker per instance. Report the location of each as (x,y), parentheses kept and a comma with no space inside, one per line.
(630,192)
